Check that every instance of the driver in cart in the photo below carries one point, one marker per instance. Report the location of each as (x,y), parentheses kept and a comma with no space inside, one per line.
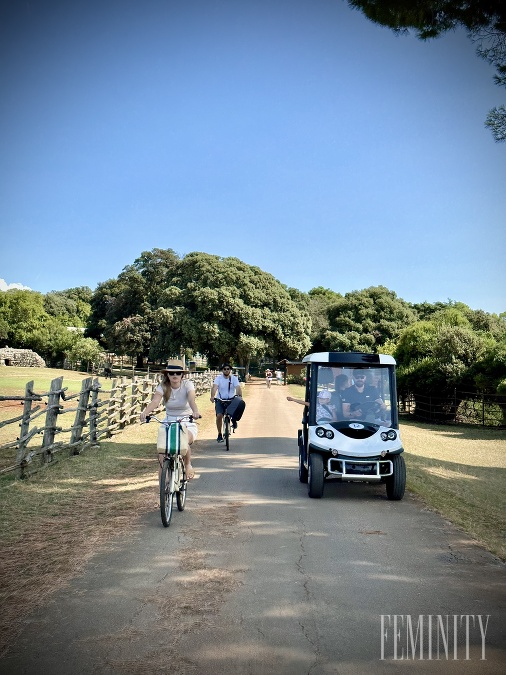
(360,396)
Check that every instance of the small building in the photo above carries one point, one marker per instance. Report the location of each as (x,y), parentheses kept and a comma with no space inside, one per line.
(291,368)
(26,358)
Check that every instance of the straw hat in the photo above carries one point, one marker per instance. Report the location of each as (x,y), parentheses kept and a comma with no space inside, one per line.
(175,366)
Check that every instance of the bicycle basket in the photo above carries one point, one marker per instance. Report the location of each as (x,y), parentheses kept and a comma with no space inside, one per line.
(173,439)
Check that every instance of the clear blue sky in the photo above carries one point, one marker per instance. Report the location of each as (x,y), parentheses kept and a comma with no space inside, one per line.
(293,134)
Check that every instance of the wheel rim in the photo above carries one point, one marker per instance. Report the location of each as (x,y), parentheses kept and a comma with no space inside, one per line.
(166,494)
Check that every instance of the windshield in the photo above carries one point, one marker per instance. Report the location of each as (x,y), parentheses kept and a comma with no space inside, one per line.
(354,394)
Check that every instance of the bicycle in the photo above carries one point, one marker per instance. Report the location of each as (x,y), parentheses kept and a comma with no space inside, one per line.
(173,479)
(227,419)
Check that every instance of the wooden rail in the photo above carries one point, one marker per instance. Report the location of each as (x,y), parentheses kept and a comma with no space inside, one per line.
(98,414)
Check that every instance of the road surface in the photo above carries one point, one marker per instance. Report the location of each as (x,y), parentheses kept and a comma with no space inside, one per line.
(255,578)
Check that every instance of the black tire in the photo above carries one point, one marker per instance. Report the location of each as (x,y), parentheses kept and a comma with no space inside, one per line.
(181,493)
(396,483)
(226,431)
(315,476)
(166,495)
(303,474)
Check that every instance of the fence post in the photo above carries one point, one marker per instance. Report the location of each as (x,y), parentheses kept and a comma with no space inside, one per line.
(25,425)
(82,409)
(111,409)
(135,401)
(53,410)
(94,411)
(122,405)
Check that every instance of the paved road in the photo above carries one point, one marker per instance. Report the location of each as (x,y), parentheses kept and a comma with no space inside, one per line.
(255,578)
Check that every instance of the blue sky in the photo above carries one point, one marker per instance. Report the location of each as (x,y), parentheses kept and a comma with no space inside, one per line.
(293,134)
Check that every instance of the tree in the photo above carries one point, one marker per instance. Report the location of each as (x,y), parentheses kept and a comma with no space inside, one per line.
(444,354)
(22,316)
(485,21)
(224,308)
(320,301)
(131,336)
(133,293)
(85,350)
(72,307)
(365,320)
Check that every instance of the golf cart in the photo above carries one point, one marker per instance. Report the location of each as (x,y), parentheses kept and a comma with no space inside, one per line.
(350,424)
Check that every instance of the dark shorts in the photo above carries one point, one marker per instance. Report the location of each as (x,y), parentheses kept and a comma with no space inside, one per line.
(219,407)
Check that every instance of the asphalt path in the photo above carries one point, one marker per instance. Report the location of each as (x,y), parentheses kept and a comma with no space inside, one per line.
(256,578)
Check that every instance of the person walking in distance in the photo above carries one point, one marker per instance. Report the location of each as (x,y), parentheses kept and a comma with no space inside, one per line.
(225,386)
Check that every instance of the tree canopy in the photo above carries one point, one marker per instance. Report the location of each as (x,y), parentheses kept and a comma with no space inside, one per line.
(218,307)
(30,320)
(365,320)
(225,308)
(449,351)
(485,21)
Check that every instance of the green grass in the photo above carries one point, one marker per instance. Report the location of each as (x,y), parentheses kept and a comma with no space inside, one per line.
(13,379)
(460,472)
(13,382)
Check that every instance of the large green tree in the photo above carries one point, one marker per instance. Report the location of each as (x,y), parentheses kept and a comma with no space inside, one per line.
(485,21)
(224,308)
(365,320)
(448,353)
(71,307)
(133,293)
(25,324)
(218,307)
(320,300)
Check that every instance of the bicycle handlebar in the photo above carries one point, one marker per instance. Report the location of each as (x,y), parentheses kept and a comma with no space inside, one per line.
(184,418)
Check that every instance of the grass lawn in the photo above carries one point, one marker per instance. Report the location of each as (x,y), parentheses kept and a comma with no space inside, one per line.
(461,473)
(13,381)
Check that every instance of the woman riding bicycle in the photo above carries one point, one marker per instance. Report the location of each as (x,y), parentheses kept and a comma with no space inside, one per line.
(178,395)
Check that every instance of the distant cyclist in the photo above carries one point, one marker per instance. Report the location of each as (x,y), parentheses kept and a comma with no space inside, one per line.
(225,386)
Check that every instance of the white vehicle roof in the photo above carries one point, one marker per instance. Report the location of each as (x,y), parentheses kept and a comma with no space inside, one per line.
(351,358)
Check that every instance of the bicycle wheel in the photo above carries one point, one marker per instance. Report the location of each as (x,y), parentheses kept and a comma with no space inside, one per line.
(226,431)
(183,483)
(166,492)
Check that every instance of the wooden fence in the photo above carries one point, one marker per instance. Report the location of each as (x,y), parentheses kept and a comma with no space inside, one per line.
(97,414)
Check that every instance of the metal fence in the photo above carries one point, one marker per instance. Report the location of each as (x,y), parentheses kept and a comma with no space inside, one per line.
(459,407)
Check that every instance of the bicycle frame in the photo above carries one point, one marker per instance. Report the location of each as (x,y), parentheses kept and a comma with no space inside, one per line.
(173,479)
(227,419)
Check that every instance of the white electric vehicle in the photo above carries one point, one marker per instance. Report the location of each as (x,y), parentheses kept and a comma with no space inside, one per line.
(350,428)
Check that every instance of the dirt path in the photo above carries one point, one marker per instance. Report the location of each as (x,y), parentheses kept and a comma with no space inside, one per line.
(255,578)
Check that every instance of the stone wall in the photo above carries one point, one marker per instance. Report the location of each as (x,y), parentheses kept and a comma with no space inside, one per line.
(20,357)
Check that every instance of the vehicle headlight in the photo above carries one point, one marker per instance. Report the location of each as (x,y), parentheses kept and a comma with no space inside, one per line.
(329,434)
(388,435)
(320,432)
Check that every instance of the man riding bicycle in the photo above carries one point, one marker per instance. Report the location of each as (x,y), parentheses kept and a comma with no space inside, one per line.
(225,386)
